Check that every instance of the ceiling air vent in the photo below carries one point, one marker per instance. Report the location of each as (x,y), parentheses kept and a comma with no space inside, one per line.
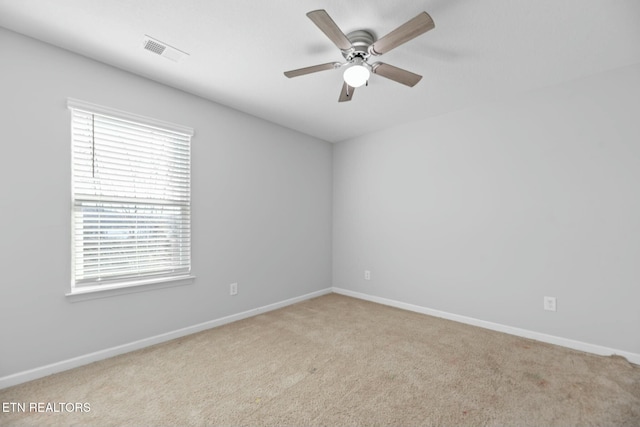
(163,49)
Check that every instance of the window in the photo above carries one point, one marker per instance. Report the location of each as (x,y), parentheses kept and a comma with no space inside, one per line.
(131,199)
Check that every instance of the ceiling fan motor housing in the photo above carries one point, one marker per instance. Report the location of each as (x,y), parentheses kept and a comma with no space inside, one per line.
(360,42)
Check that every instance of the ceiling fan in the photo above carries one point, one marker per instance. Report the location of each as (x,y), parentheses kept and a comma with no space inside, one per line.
(359,46)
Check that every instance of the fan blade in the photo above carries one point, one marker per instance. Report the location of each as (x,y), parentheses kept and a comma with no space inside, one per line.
(396,74)
(346,93)
(322,19)
(405,32)
(312,69)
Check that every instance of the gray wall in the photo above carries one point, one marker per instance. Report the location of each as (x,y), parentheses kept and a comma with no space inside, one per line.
(482,212)
(261,210)
(479,213)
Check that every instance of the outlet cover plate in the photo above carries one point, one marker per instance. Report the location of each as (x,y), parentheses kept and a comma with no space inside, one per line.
(550,303)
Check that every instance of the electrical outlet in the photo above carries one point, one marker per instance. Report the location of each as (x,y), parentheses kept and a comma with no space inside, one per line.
(233,289)
(367,275)
(550,303)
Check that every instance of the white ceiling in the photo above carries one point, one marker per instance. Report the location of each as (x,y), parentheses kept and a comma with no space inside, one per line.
(480,51)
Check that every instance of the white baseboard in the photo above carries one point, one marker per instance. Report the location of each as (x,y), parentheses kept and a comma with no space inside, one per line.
(551,339)
(32,374)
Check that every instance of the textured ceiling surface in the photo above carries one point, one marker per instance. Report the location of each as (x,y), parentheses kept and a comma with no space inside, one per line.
(480,51)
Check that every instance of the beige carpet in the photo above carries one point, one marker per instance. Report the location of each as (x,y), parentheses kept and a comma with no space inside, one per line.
(339,361)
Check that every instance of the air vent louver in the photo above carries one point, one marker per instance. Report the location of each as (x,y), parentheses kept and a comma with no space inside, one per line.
(154,47)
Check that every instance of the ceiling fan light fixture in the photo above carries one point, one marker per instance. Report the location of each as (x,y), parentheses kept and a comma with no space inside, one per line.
(356,75)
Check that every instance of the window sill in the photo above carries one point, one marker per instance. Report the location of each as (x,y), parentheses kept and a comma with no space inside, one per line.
(85,293)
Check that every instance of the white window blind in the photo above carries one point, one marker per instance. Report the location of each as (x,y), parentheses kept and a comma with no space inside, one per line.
(131,198)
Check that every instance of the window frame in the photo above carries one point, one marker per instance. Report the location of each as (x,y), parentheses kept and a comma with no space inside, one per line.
(124,285)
